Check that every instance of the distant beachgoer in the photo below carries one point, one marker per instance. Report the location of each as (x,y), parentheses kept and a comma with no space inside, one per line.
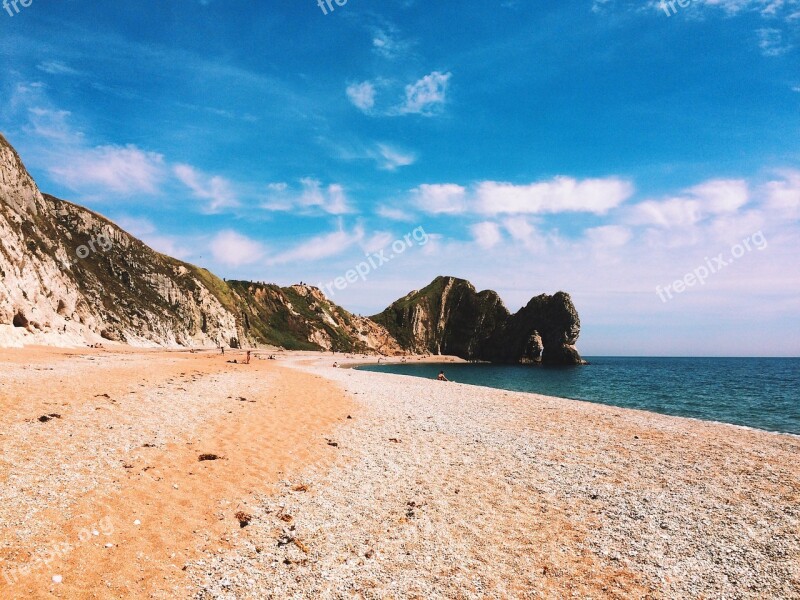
(247,360)
(222,348)
(441,376)
(336,365)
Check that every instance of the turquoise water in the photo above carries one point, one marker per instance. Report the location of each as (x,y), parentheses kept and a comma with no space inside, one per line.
(756,392)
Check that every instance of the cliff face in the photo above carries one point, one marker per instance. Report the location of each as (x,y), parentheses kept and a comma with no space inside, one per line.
(450,317)
(300,317)
(447,317)
(69,276)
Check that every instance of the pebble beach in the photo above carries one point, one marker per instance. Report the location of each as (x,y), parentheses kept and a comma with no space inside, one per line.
(338,483)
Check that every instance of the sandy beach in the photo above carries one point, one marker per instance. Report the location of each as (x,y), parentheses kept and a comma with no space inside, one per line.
(365,485)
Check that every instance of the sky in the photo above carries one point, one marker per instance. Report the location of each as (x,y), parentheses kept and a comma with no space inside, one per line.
(641,156)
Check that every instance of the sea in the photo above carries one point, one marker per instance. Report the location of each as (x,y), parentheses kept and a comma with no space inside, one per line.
(762,393)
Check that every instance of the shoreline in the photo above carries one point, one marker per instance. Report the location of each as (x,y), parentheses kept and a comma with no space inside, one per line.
(592,402)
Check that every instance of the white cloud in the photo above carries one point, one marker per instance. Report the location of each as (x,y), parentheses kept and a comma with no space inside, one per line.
(562,194)
(393,158)
(120,169)
(486,234)
(608,236)
(394,214)
(388,45)
(782,197)
(232,249)
(54,67)
(362,95)
(714,197)
(53,125)
(331,200)
(524,233)
(311,198)
(447,198)
(721,195)
(217,190)
(426,96)
(771,42)
(377,241)
(323,246)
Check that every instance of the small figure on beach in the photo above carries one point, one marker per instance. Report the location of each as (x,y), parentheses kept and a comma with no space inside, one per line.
(336,365)
(442,377)
(222,349)
(247,360)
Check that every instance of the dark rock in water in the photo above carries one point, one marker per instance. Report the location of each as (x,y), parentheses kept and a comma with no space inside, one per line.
(451,317)
(550,322)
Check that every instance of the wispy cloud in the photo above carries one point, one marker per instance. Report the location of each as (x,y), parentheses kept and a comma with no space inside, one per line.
(388,44)
(428,95)
(438,198)
(559,195)
(392,158)
(714,197)
(487,234)
(123,170)
(362,95)
(321,247)
(216,190)
(771,42)
(395,214)
(55,67)
(311,198)
(562,194)
(233,249)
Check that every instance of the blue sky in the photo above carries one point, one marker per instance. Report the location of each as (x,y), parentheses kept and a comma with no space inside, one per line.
(600,147)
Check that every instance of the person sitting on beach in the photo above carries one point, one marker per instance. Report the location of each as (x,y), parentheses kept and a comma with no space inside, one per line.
(441,376)
(336,365)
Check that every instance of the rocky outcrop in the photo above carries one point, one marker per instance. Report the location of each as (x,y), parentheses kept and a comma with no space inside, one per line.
(450,316)
(545,330)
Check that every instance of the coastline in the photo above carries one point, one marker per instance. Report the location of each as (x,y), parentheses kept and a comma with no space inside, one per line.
(381,484)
